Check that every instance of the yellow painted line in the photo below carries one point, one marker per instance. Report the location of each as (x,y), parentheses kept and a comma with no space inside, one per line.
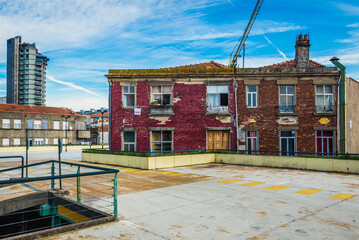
(229,181)
(277,187)
(308,191)
(164,172)
(250,184)
(31,170)
(177,174)
(343,196)
(71,215)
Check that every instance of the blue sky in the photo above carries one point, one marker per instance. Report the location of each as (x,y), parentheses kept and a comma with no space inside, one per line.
(85,38)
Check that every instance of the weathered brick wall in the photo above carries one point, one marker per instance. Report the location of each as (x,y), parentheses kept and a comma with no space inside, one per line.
(266,115)
(189,121)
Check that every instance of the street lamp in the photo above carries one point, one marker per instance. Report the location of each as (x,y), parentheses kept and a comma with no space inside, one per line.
(67,126)
(103,110)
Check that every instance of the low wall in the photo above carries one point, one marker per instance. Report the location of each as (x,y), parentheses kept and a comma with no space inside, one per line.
(46,148)
(318,164)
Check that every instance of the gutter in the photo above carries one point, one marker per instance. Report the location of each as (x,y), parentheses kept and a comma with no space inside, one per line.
(236,118)
(338,137)
(342,107)
(109,116)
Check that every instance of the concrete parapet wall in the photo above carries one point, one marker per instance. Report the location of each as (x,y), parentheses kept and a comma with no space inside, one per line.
(317,164)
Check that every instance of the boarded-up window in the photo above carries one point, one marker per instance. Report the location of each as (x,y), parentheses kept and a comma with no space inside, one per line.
(217,140)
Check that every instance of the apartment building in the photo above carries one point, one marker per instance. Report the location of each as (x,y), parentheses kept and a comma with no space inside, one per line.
(290,107)
(26,73)
(41,125)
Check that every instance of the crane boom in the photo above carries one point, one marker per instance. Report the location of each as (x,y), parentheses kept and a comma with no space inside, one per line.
(233,61)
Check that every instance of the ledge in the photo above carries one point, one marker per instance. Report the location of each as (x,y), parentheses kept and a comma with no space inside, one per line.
(287,114)
(325,114)
(218,128)
(218,114)
(161,115)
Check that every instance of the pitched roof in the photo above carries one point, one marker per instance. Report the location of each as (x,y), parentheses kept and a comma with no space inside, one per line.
(211,64)
(291,63)
(5,107)
(105,114)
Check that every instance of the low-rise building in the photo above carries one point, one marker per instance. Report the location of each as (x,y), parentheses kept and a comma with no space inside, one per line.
(41,125)
(290,107)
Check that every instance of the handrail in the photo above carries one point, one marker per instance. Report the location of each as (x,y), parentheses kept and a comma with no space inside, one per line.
(22,162)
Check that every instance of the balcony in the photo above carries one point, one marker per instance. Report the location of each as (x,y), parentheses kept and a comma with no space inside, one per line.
(38,88)
(217,110)
(38,73)
(38,84)
(38,98)
(161,110)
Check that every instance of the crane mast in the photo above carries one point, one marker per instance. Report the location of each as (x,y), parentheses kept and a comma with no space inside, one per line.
(233,61)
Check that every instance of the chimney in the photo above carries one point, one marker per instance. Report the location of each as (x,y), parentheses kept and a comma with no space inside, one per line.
(302,52)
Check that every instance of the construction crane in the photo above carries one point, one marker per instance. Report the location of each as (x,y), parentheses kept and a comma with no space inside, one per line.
(233,61)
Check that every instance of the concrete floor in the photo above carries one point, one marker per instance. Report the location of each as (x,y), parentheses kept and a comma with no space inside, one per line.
(231,202)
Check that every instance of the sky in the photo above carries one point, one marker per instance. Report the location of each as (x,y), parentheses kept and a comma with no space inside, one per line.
(86,38)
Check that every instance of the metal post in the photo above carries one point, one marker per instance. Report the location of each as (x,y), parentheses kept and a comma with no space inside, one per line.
(60,150)
(67,126)
(102,129)
(52,175)
(22,169)
(78,186)
(115,197)
(27,150)
(244,52)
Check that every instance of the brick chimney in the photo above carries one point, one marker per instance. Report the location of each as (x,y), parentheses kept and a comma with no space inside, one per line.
(302,52)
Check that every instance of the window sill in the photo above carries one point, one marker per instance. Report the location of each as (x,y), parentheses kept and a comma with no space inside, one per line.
(252,107)
(217,113)
(161,106)
(128,108)
(324,114)
(161,114)
(287,114)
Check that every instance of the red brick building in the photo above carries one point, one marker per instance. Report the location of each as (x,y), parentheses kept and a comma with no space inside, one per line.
(290,107)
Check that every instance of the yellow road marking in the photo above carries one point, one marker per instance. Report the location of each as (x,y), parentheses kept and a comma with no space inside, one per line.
(132,170)
(229,181)
(343,196)
(177,174)
(250,184)
(164,172)
(308,191)
(277,187)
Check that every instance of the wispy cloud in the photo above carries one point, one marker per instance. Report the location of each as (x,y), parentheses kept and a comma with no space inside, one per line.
(348,8)
(2,90)
(278,50)
(74,86)
(353,25)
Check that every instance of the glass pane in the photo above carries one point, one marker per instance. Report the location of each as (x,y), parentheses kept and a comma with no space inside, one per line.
(126,147)
(328,89)
(156,136)
(283,146)
(286,133)
(166,99)
(211,89)
(166,136)
(319,145)
(132,89)
(330,142)
(252,88)
(157,98)
(156,146)
(167,89)
(328,100)
(319,133)
(249,144)
(213,100)
(129,136)
(254,96)
(328,133)
(125,89)
(282,100)
(320,100)
(290,89)
(131,147)
(222,89)
(156,89)
(290,100)
(291,145)
(130,100)
(282,90)
(224,99)
(167,147)
(320,89)
(249,100)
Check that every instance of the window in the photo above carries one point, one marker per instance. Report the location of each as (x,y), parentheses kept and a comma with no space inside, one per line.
(324,98)
(217,98)
(39,141)
(5,142)
(65,125)
(37,125)
(56,141)
(45,124)
(161,95)
(129,141)
(287,143)
(251,96)
(46,141)
(252,146)
(286,99)
(6,123)
(56,124)
(17,123)
(161,141)
(65,141)
(129,96)
(16,141)
(325,142)
(29,123)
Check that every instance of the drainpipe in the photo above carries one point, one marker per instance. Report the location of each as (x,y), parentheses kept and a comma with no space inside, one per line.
(342,108)
(338,144)
(109,116)
(236,118)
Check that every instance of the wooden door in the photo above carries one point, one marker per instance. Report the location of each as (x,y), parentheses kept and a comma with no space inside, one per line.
(218,140)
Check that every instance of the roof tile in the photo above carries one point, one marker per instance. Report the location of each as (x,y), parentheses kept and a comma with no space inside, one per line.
(5,107)
(291,63)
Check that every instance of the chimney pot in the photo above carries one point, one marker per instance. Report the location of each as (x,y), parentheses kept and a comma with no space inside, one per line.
(306,37)
(300,37)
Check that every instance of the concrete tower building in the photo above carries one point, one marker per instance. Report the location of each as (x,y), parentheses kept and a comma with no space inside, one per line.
(26,73)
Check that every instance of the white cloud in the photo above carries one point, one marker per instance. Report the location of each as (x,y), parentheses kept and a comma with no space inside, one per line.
(348,8)
(2,90)
(278,50)
(72,85)
(353,25)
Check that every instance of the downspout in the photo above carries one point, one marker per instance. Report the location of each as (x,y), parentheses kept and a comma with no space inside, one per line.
(236,106)
(109,116)
(342,109)
(338,146)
